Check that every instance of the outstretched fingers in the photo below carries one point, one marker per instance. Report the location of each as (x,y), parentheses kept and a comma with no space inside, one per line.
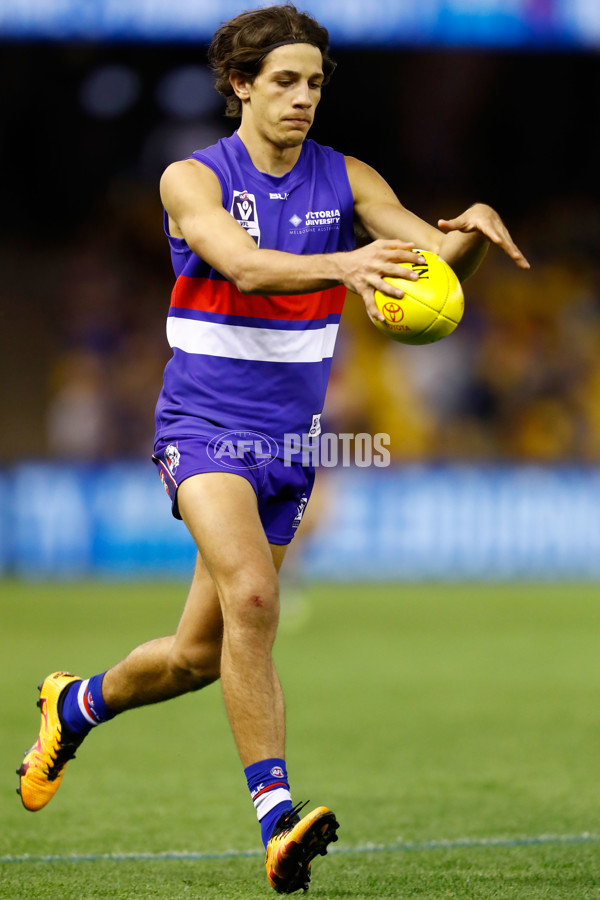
(487,222)
(502,239)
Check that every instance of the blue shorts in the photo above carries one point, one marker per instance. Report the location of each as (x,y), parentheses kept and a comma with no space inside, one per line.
(282,491)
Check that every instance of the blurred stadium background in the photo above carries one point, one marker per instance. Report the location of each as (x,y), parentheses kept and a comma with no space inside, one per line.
(495,433)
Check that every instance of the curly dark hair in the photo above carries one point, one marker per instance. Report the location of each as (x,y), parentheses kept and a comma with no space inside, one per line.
(238,46)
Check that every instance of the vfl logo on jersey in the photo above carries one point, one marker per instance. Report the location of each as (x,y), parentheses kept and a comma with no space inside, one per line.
(243,210)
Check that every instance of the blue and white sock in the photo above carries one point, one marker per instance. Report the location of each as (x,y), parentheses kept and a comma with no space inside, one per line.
(83,705)
(270,792)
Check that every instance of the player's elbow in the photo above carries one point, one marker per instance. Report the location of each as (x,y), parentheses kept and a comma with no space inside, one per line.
(247,278)
(249,271)
(246,284)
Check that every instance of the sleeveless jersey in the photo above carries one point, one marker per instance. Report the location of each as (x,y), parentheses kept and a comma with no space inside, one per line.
(257,362)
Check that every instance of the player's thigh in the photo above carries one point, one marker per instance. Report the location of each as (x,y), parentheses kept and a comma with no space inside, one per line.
(221,512)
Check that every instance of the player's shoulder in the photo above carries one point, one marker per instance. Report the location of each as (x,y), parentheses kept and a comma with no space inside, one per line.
(190,169)
(361,176)
(189,175)
(357,167)
(182,168)
(200,164)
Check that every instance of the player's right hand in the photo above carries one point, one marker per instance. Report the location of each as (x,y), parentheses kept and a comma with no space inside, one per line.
(364,270)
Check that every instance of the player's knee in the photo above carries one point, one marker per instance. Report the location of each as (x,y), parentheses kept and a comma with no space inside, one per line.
(252,604)
(195,666)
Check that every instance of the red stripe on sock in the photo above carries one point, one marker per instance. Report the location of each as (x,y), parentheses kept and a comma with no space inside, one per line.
(270,787)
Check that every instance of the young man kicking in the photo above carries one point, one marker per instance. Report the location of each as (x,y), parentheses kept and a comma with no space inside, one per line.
(261,233)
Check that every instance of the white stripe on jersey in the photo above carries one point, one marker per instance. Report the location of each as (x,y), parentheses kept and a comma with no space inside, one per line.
(260,344)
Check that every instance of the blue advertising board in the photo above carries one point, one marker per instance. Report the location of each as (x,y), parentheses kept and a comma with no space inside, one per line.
(503,23)
(447,523)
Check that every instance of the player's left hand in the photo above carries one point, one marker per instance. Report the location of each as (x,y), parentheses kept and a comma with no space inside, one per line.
(482,218)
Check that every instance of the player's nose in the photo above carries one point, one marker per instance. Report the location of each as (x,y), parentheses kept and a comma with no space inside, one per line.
(302,96)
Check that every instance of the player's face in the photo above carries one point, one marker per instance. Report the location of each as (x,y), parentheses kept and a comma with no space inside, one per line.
(285,94)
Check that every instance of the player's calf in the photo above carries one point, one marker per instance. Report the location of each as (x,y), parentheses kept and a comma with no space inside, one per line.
(194,668)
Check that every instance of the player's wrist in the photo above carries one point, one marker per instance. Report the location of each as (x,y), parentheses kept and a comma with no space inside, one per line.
(337,266)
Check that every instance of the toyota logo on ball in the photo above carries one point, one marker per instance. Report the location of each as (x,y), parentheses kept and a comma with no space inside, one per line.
(393,311)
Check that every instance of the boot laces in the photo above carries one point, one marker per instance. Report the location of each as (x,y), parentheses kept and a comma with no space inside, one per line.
(63,753)
(289,818)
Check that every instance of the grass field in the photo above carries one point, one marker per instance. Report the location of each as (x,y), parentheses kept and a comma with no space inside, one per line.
(455,730)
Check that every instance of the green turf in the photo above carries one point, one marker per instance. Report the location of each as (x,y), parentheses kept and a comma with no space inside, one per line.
(421,714)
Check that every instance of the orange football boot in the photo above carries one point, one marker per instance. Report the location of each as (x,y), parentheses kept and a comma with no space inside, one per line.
(43,766)
(294,844)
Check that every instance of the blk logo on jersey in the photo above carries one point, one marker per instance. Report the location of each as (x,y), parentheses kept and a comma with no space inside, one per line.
(243,210)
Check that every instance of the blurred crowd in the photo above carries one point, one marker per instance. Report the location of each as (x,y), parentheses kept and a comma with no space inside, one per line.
(518,380)
(520,377)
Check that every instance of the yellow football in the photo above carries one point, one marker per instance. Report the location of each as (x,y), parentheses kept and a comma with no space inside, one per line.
(431,307)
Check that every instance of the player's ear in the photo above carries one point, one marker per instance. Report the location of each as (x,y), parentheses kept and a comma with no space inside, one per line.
(240,86)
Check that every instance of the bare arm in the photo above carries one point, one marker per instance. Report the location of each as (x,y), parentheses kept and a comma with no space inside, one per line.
(191,194)
(462,242)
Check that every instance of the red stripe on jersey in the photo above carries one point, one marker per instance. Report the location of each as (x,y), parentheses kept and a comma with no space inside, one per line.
(216,296)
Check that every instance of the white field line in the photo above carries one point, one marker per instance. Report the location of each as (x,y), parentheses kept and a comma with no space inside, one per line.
(399,847)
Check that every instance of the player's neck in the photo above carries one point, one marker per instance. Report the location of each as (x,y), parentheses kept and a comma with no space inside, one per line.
(266,156)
